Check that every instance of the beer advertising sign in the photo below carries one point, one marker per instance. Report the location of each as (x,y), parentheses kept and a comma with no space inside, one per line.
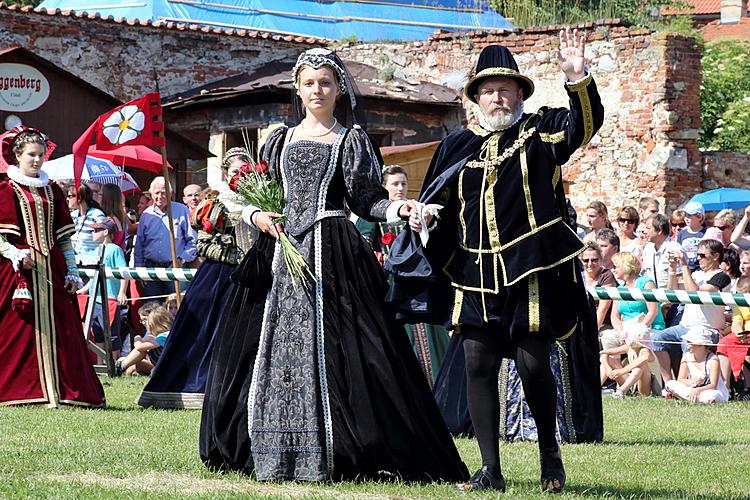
(23,88)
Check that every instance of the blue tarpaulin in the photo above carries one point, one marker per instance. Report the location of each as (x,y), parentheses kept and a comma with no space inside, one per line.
(366,20)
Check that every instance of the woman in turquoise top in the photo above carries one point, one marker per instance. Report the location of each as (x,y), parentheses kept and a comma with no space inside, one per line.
(627,269)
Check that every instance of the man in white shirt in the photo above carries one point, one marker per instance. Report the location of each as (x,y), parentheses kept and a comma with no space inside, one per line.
(656,252)
(709,278)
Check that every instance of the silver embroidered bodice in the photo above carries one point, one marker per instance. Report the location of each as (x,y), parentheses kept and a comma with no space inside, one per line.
(307,171)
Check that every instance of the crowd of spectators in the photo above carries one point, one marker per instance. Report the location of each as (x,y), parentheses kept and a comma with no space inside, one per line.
(696,352)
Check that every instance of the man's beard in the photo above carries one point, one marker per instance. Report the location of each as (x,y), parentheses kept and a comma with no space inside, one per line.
(499,118)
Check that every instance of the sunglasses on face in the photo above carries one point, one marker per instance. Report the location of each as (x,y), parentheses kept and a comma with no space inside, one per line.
(586,261)
(721,228)
(623,220)
(702,255)
(680,225)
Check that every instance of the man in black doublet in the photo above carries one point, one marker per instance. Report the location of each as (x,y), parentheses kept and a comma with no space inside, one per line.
(499,266)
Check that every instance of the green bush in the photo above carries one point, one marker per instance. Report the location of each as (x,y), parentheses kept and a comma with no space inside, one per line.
(724,93)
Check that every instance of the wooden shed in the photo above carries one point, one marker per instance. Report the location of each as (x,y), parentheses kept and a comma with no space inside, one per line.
(37,93)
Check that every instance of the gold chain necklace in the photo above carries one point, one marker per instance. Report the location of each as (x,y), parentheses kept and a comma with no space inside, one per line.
(335,122)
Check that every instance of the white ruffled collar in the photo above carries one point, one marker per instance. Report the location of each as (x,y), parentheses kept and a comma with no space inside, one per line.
(233,202)
(15,174)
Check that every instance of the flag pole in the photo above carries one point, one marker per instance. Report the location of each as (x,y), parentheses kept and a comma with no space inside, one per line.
(165,173)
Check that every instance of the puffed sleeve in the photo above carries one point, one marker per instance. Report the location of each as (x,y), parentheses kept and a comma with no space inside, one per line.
(271,152)
(365,193)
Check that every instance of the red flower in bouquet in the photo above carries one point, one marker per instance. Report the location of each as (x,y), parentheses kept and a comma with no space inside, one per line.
(388,238)
(257,188)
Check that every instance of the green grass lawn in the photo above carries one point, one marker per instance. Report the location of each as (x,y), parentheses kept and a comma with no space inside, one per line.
(653,449)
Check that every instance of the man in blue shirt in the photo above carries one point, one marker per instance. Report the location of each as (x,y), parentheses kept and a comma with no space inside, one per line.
(690,236)
(152,248)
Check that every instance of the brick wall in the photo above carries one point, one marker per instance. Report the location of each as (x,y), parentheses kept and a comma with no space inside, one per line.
(649,83)
(127,59)
(726,169)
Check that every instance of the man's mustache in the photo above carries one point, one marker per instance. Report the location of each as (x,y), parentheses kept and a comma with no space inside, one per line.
(498,107)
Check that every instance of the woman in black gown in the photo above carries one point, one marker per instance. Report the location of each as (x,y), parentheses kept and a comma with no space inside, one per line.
(318,382)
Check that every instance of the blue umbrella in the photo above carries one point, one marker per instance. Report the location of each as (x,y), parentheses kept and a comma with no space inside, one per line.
(717,199)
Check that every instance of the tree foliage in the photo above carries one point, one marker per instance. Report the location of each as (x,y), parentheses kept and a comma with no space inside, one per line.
(33,3)
(725,96)
(525,13)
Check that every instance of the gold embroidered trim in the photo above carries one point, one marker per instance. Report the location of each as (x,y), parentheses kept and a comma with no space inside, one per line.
(462,202)
(26,214)
(507,152)
(580,88)
(541,268)
(556,176)
(491,214)
(552,138)
(496,288)
(534,316)
(65,231)
(527,189)
(10,229)
(570,332)
(458,301)
(477,130)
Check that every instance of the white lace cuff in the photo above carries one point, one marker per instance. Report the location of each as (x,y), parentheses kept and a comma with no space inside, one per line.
(15,255)
(392,212)
(72,278)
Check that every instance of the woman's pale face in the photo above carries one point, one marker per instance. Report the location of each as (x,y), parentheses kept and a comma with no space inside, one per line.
(595,219)
(591,262)
(397,186)
(235,163)
(30,159)
(318,90)
(745,265)
(627,224)
(619,273)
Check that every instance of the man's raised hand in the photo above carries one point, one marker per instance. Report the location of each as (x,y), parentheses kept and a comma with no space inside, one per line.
(570,54)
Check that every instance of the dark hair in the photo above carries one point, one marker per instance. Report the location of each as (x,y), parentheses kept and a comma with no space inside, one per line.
(393,170)
(732,260)
(85,195)
(112,202)
(593,247)
(660,223)
(608,235)
(714,246)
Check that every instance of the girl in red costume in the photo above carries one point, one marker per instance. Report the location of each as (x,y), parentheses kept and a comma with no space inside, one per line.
(41,341)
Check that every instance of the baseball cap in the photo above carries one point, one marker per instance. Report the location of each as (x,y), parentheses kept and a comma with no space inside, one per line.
(106,223)
(693,208)
(700,335)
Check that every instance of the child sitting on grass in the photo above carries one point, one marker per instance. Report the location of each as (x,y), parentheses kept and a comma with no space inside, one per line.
(642,370)
(700,377)
(146,350)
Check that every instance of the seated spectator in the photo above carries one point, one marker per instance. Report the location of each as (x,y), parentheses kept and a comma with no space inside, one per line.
(609,244)
(708,278)
(677,223)
(699,380)
(628,221)
(170,304)
(596,275)
(733,348)
(693,233)
(730,265)
(642,371)
(627,270)
(739,236)
(597,217)
(648,206)
(146,350)
(655,256)
(116,289)
(724,223)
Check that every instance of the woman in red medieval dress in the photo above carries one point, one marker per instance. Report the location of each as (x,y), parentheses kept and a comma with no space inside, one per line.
(42,348)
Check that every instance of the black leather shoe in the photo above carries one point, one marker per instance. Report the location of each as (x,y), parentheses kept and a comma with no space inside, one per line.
(553,472)
(483,479)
